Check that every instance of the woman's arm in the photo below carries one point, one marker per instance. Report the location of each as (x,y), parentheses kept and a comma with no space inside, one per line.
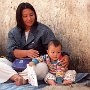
(26,53)
(14,49)
(65,61)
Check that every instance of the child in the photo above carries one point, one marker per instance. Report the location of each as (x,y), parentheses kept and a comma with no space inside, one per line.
(53,60)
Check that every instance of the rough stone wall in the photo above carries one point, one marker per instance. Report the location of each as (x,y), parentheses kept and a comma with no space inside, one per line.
(68,19)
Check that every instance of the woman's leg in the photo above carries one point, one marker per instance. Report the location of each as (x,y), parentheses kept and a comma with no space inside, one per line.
(6,72)
(41,70)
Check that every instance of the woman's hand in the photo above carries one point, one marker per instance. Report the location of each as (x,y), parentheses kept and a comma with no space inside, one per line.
(65,61)
(32,53)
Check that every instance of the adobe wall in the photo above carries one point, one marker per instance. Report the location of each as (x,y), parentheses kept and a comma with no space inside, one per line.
(68,19)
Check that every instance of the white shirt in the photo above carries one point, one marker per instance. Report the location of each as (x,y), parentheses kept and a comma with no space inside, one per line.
(26,35)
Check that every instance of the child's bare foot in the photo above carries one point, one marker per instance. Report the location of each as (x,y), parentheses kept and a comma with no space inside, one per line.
(51,82)
(67,82)
(18,80)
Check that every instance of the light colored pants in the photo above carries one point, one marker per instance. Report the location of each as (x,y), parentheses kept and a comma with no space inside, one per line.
(6,70)
(69,75)
(50,76)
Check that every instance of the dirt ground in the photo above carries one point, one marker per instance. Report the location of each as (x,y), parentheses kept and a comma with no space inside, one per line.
(71,87)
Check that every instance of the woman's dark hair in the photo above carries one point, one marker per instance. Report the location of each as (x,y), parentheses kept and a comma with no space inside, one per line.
(20,8)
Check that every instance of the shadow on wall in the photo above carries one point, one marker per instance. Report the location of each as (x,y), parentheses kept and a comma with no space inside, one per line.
(2,50)
(74,62)
(78,64)
(3,43)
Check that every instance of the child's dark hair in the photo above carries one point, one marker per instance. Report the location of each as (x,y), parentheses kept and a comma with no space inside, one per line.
(56,43)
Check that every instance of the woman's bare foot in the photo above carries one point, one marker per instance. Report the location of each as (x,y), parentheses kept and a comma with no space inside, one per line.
(18,80)
(25,81)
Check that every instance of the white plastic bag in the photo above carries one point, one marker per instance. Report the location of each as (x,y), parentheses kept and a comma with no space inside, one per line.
(32,77)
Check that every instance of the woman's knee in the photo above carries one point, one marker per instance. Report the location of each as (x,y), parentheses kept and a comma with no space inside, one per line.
(41,70)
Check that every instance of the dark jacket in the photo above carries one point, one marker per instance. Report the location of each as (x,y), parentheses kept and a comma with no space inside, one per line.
(38,39)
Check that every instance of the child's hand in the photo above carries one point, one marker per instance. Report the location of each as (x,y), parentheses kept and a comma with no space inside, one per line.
(31,63)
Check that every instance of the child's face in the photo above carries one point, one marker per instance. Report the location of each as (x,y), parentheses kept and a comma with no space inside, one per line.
(54,52)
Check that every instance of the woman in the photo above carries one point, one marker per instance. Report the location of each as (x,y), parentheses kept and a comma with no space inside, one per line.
(28,39)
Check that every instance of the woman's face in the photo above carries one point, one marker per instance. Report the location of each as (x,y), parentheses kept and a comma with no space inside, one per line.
(28,17)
